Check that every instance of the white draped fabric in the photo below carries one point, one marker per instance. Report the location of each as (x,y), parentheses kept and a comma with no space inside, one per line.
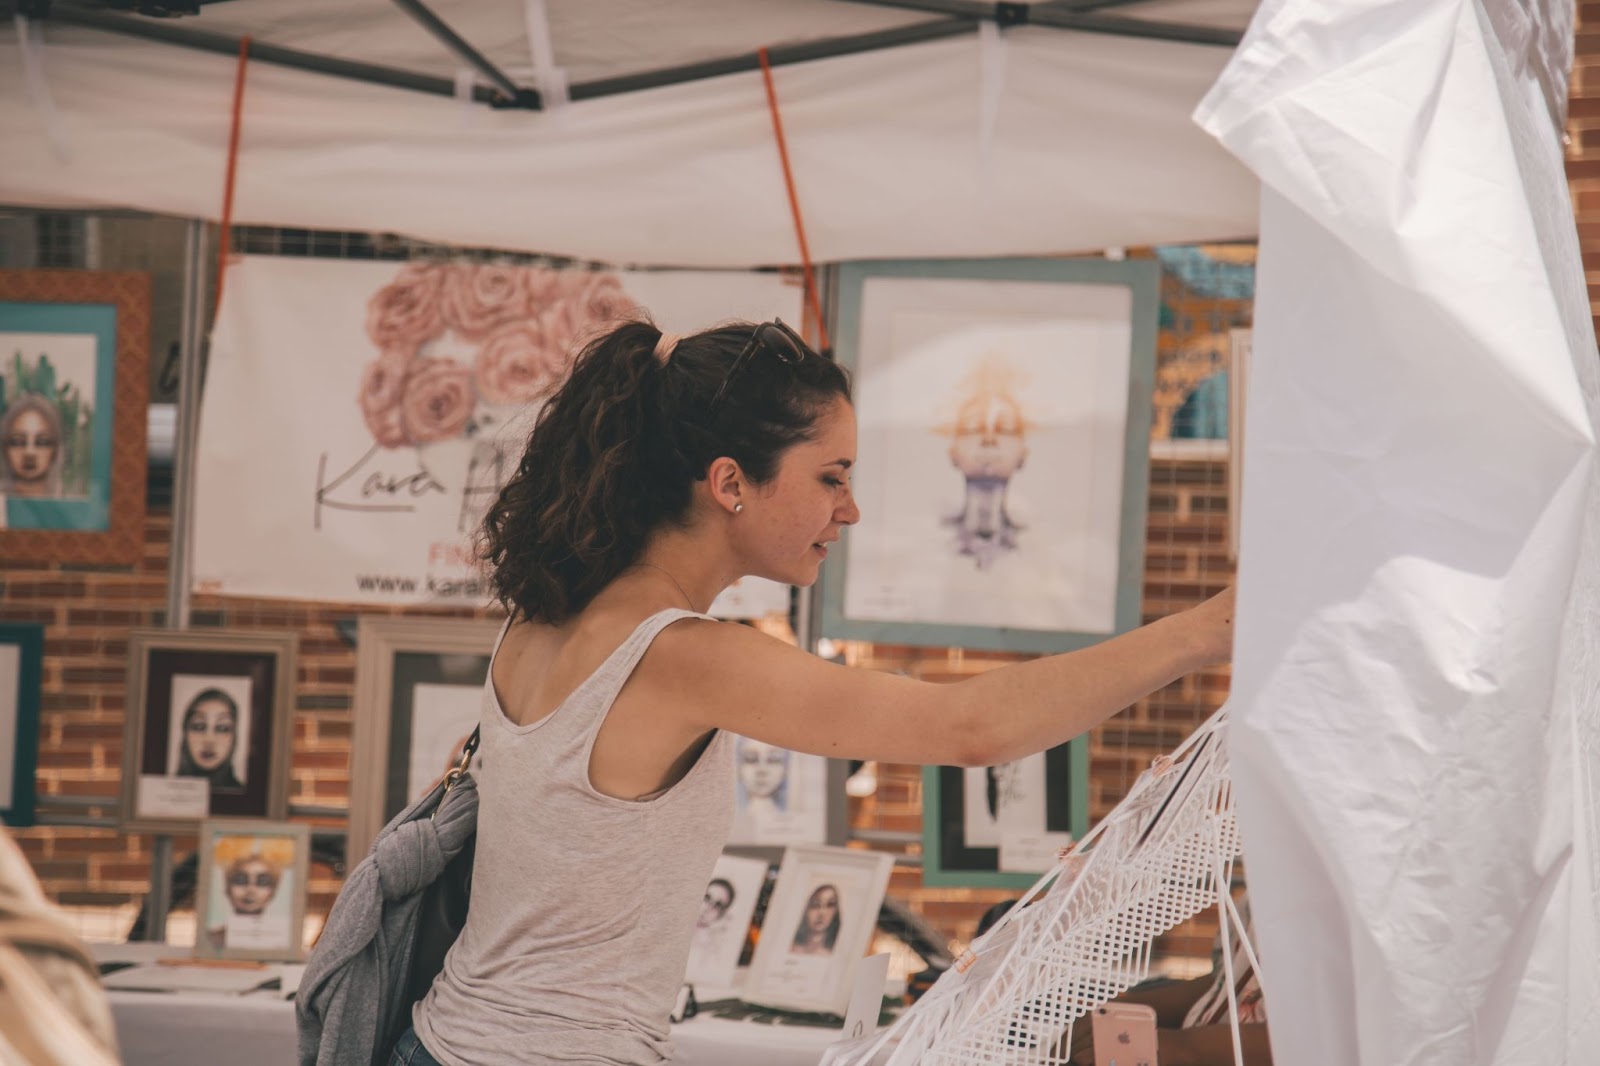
(1416,697)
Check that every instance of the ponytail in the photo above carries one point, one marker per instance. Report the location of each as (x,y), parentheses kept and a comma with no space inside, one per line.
(616,451)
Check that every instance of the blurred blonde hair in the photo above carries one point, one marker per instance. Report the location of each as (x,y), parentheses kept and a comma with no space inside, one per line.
(276,852)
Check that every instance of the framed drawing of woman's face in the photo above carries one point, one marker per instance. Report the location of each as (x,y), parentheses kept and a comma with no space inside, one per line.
(1003,462)
(209,727)
(250,900)
(419,694)
(818,924)
(73,400)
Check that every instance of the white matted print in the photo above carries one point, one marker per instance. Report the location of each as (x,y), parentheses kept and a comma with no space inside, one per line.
(252,890)
(724,921)
(819,922)
(1009,798)
(209,729)
(751,597)
(780,796)
(442,718)
(993,420)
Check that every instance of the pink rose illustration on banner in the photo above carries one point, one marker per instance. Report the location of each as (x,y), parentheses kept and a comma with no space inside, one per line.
(438,400)
(516,365)
(476,299)
(404,314)
(382,385)
(463,347)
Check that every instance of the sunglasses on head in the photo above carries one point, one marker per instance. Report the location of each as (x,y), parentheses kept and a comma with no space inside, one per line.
(774,337)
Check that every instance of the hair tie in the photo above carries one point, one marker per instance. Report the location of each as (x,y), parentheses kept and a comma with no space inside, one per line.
(665,345)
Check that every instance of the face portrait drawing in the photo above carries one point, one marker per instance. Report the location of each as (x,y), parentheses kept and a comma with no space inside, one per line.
(714,907)
(763,775)
(210,736)
(819,925)
(251,869)
(30,431)
(988,446)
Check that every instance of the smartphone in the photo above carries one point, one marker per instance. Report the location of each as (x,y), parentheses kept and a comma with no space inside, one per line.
(1124,1035)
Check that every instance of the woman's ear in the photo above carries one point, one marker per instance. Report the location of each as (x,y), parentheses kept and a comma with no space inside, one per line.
(728,483)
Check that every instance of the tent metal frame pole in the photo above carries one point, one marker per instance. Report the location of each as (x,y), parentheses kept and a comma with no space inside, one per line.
(452,40)
(260,52)
(963,16)
(777,55)
(1064,15)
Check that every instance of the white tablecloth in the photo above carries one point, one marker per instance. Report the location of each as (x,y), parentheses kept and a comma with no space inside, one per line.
(257,1029)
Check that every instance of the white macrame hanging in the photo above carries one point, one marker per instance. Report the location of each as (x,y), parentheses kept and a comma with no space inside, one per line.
(1082,935)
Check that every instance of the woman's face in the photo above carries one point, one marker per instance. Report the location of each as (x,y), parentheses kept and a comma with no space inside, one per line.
(989,438)
(209,731)
(30,450)
(788,523)
(821,909)
(714,905)
(762,768)
(251,885)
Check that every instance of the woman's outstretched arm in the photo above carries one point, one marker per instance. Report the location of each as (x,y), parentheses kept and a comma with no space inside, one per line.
(732,677)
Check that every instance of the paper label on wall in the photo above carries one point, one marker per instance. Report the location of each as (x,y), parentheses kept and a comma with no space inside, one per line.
(1032,853)
(173,797)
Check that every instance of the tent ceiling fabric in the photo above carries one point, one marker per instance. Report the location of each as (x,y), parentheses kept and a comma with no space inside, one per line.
(1025,141)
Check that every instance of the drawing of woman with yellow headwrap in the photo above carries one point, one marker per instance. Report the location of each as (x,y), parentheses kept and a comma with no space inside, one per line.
(251,870)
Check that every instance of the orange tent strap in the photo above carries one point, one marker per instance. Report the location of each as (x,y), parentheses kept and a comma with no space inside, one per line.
(233,167)
(813,300)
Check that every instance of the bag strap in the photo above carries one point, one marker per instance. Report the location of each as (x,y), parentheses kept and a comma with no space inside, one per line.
(468,750)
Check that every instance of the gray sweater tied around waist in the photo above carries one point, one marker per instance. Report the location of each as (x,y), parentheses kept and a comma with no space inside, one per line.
(350,992)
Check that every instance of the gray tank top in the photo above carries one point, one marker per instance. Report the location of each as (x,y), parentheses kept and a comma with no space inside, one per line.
(583,905)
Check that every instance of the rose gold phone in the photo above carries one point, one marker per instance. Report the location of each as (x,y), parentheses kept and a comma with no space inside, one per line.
(1124,1035)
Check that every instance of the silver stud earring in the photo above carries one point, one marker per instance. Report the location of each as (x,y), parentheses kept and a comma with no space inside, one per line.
(738,507)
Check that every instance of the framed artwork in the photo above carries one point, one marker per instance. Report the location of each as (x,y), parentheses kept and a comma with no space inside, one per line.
(780,797)
(209,726)
(419,695)
(819,922)
(74,388)
(969,814)
(1242,345)
(723,923)
(250,902)
(21,665)
(1003,465)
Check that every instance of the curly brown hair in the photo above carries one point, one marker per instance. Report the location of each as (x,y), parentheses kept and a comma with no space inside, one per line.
(616,451)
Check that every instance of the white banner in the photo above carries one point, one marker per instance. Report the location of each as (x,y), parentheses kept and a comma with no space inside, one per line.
(359,417)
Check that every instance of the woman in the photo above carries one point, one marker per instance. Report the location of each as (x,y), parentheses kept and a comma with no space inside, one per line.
(30,431)
(660,472)
(819,925)
(210,735)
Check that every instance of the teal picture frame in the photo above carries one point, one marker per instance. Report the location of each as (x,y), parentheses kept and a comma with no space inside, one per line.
(20,702)
(946,864)
(1141,279)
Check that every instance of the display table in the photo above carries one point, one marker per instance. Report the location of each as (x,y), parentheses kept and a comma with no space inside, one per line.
(197,1028)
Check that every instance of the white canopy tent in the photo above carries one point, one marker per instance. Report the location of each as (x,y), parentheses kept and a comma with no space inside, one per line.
(927,135)
(1416,713)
